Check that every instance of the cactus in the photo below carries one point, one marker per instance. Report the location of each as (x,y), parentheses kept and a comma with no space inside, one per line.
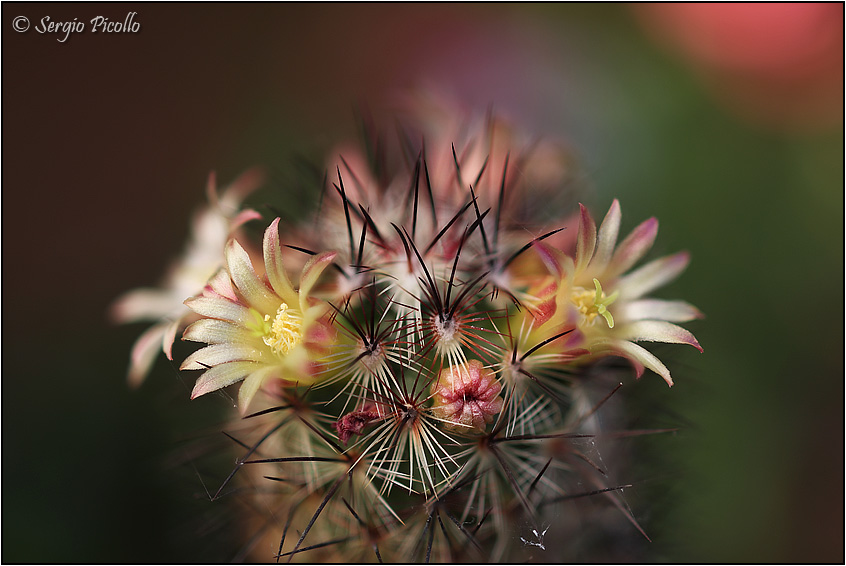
(428,387)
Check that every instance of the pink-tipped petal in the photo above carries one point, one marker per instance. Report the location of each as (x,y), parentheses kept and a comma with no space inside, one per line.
(633,247)
(586,241)
(544,311)
(243,217)
(658,331)
(248,283)
(246,183)
(220,286)
(221,309)
(276,273)
(640,356)
(607,238)
(312,271)
(657,309)
(211,189)
(319,333)
(169,336)
(218,354)
(653,275)
(144,353)
(221,376)
(559,264)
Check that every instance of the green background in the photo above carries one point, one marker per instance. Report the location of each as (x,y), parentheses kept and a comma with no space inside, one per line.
(109,139)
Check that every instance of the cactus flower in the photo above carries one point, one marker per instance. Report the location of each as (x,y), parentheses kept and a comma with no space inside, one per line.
(257,328)
(596,292)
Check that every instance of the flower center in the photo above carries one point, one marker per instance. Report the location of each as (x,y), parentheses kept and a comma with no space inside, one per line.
(283,334)
(592,303)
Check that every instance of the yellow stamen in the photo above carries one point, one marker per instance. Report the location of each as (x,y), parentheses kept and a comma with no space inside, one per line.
(592,303)
(283,334)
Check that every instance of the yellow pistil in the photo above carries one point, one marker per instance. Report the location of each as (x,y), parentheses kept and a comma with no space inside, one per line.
(283,334)
(593,303)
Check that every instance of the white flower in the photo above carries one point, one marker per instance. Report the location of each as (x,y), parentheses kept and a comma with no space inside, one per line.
(258,328)
(212,227)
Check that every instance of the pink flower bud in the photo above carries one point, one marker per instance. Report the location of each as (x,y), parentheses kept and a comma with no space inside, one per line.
(467,397)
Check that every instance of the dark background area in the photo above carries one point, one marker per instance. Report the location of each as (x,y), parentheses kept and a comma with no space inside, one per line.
(108,139)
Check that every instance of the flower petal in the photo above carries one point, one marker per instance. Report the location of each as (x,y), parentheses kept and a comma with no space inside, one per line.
(218,354)
(654,274)
(221,376)
(169,336)
(640,356)
(243,217)
(211,189)
(247,182)
(586,241)
(244,276)
(657,309)
(220,309)
(273,265)
(220,285)
(251,386)
(658,331)
(633,247)
(311,273)
(145,304)
(607,238)
(542,312)
(559,264)
(144,353)
(213,331)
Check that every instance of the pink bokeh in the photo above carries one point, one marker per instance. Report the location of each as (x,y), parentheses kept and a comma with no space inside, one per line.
(779,64)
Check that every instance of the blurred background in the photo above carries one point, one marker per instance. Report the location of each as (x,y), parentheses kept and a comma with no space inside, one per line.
(724,121)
